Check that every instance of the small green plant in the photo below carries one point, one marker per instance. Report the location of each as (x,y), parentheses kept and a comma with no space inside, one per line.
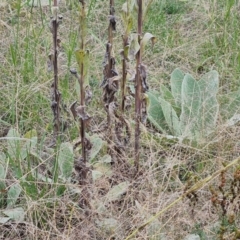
(29,164)
(190,109)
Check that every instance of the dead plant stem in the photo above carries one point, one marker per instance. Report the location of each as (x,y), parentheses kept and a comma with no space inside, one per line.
(55,70)
(124,74)
(138,87)
(82,91)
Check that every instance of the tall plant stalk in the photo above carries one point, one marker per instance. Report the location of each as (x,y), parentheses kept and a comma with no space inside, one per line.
(81,83)
(79,113)
(109,83)
(124,78)
(127,17)
(138,86)
(53,64)
(111,28)
(81,61)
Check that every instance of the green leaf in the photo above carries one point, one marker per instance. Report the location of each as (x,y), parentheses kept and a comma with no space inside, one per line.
(166,94)
(3,171)
(13,141)
(170,117)
(134,46)
(66,160)
(229,104)
(106,159)
(31,137)
(155,112)
(29,184)
(16,214)
(108,224)
(176,85)
(192,237)
(82,57)
(97,144)
(60,190)
(2,157)
(77,88)
(208,85)
(13,194)
(235,119)
(38,3)
(104,168)
(154,229)
(2,177)
(191,104)
(126,14)
(30,134)
(4,219)
(146,38)
(117,191)
(96,175)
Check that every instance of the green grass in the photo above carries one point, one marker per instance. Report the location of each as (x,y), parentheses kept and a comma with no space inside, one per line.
(196,36)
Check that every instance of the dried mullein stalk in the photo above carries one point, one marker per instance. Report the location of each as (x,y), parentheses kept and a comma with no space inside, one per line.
(80,112)
(55,21)
(138,87)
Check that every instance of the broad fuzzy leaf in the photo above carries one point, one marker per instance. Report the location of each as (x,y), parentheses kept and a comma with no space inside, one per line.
(13,194)
(4,219)
(176,85)
(170,117)
(208,85)
(108,224)
(14,152)
(66,160)
(117,191)
(97,144)
(2,175)
(166,94)
(106,159)
(104,168)
(229,104)
(190,106)
(13,140)
(30,144)
(96,174)
(16,214)
(155,112)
